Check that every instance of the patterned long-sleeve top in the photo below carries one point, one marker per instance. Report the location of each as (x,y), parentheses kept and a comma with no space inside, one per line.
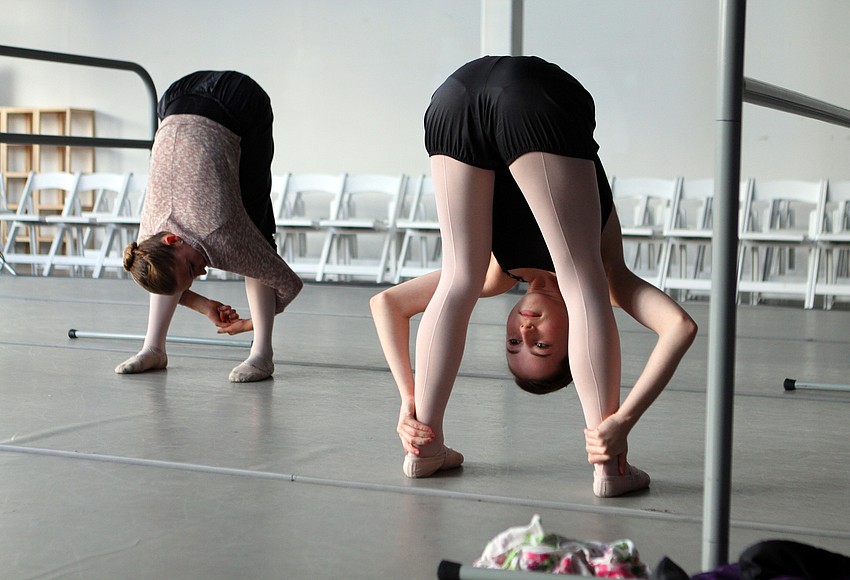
(193,191)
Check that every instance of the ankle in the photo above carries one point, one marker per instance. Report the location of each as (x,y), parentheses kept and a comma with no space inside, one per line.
(607,468)
(157,350)
(261,355)
(433,448)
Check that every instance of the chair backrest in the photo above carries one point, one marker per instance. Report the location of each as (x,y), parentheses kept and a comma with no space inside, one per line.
(373,196)
(278,193)
(418,202)
(783,204)
(137,188)
(835,213)
(409,201)
(108,192)
(644,201)
(691,208)
(60,185)
(312,194)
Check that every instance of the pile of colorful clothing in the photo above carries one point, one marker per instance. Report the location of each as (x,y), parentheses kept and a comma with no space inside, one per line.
(530,548)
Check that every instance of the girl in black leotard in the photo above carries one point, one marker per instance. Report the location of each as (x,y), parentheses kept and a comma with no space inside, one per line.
(500,125)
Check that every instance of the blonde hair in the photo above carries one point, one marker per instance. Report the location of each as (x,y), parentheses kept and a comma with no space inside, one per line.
(152,264)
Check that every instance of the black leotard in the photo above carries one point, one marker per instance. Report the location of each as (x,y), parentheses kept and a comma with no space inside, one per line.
(496,108)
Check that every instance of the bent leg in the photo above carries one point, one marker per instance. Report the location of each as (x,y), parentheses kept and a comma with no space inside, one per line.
(259,365)
(152,356)
(465,209)
(563,196)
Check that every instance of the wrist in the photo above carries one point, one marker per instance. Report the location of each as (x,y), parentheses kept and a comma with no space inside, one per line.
(407,404)
(625,418)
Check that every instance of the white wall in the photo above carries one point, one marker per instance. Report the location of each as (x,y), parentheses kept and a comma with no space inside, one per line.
(350,79)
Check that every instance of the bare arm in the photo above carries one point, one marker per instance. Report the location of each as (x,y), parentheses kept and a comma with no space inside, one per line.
(676,332)
(392,310)
(658,312)
(220,314)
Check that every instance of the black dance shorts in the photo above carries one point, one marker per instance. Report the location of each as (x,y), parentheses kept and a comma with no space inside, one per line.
(496,108)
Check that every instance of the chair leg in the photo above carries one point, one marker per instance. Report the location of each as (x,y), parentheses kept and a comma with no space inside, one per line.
(108,237)
(831,273)
(325,256)
(54,248)
(664,264)
(402,257)
(812,278)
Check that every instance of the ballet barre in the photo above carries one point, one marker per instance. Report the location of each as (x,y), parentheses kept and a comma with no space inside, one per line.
(74,333)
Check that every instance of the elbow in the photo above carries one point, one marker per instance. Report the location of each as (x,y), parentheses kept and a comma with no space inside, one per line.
(680,330)
(378,302)
(382,304)
(687,329)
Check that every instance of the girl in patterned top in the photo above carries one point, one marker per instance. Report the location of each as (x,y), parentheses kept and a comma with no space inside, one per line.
(208,204)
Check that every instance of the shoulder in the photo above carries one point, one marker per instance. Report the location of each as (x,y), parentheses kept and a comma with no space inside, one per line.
(497,281)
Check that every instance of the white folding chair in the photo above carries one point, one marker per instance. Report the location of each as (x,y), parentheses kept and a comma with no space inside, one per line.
(361,233)
(75,228)
(27,223)
(778,226)
(278,194)
(307,199)
(421,230)
(121,224)
(832,251)
(689,237)
(644,208)
(4,210)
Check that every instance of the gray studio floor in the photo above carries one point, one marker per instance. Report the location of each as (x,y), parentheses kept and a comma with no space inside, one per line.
(180,474)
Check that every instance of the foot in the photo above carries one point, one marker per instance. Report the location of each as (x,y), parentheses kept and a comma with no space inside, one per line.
(147,359)
(252,370)
(615,485)
(447,458)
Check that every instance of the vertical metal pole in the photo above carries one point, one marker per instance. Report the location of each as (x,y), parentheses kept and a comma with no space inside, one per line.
(501,27)
(721,347)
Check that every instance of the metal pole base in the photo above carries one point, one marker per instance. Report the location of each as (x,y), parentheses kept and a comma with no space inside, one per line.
(794,384)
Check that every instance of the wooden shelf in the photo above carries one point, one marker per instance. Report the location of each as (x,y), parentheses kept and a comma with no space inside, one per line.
(17,161)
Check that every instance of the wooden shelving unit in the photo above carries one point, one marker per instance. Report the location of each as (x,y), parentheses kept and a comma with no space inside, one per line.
(16,161)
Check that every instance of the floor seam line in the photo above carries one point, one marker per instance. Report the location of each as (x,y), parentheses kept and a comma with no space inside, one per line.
(422,491)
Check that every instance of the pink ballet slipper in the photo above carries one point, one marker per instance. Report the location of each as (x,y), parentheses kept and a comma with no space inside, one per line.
(252,370)
(614,485)
(415,467)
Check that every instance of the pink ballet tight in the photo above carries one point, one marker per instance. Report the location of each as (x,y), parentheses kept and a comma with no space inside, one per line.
(464,196)
(259,364)
(563,196)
